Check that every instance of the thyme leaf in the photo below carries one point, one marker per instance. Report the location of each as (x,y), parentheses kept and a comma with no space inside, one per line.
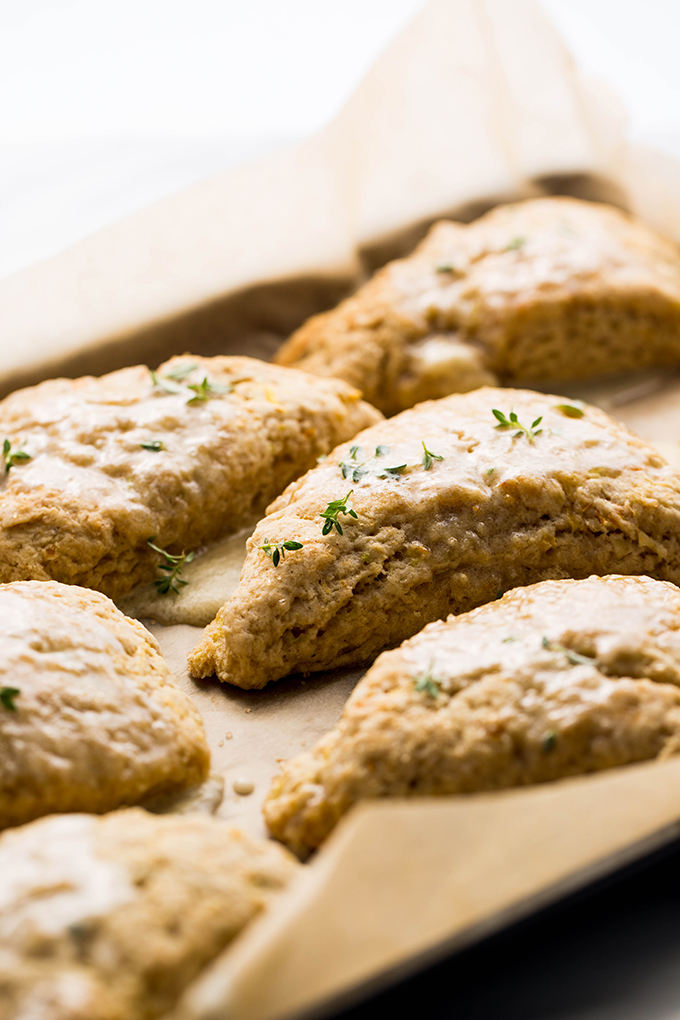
(515,243)
(173,567)
(330,514)
(11,457)
(7,696)
(180,372)
(549,741)
(575,658)
(155,445)
(569,410)
(426,683)
(429,458)
(392,472)
(276,551)
(512,421)
(161,382)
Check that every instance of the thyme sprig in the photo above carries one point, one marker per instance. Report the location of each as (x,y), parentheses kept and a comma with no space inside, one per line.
(356,471)
(205,390)
(430,457)
(330,514)
(427,683)
(11,457)
(196,393)
(276,551)
(173,567)
(7,696)
(574,658)
(512,421)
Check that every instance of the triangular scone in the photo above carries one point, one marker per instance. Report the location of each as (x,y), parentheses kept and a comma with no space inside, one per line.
(111,918)
(451,508)
(556,679)
(92,468)
(90,716)
(547,289)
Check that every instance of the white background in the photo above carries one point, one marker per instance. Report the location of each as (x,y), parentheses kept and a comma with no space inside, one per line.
(108,104)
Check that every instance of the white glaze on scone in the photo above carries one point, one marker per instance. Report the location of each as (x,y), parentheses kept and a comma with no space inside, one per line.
(497,512)
(552,680)
(83,507)
(99,720)
(542,290)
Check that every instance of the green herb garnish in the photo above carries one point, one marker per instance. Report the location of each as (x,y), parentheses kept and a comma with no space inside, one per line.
(351,469)
(549,741)
(155,445)
(507,640)
(277,550)
(12,457)
(572,657)
(429,458)
(165,384)
(180,372)
(173,567)
(569,410)
(426,683)
(392,472)
(7,696)
(330,514)
(513,422)
(514,244)
(205,390)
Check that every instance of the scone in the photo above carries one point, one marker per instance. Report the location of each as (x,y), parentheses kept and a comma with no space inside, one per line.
(94,468)
(110,918)
(439,510)
(556,679)
(90,716)
(542,290)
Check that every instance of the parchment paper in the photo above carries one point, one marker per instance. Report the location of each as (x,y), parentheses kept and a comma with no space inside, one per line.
(477,102)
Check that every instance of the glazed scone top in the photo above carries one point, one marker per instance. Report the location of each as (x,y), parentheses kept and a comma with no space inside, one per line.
(555,679)
(82,507)
(580,494)
(99,720)
(68,427)
(494,300)
(110,918)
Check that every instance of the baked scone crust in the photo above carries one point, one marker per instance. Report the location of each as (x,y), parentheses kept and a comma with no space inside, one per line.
(110,918)
(559,678)
(542,290)
(82,508)
(500,509)
(99,720)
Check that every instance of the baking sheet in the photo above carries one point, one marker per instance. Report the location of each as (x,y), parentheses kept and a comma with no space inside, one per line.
(450,121)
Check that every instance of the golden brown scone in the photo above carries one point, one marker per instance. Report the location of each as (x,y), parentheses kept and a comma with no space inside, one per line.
(542,290)
(491,509)
(96,720)
(556,679)
(96,486)
(110,918)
